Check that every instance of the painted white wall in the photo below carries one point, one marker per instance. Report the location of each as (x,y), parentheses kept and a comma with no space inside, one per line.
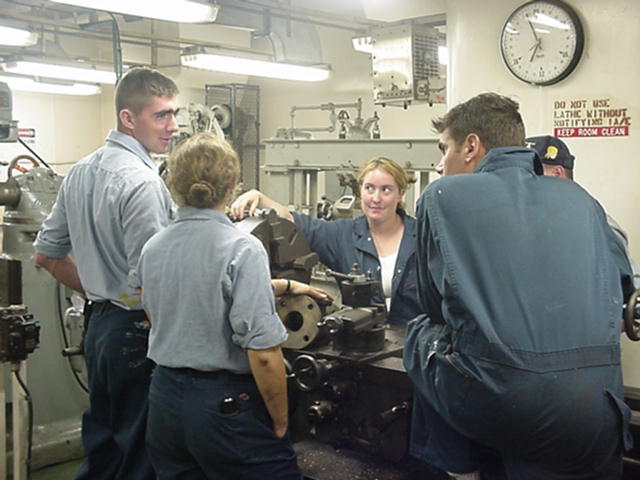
(606,167)
(67,127)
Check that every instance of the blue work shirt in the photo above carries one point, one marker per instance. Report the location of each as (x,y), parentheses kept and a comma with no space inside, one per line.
(524,283)
(343,242)
(108,206)
(207,288)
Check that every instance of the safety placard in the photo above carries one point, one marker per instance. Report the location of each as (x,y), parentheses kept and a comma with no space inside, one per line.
(590,117)
(28,135)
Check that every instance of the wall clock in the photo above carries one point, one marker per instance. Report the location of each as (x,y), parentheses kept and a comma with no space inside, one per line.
(542,41)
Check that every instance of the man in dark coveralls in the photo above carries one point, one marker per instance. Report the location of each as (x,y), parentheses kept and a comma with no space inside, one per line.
(520,350)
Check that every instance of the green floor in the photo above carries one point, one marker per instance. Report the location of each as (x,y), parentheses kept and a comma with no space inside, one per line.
(62,471)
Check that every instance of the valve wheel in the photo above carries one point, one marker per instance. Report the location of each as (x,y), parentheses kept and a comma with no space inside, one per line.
(14,165)
(631,317)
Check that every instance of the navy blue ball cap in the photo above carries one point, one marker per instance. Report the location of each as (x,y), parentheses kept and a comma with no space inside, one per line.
(552,151)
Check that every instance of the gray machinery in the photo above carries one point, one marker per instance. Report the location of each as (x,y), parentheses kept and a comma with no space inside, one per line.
(349,392)
(56,384)
(350,396)
(237,109)
(406,66)
(310,175)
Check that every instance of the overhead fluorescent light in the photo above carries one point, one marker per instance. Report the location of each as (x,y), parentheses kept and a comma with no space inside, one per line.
(63,72)
(184,11)
(29,85)
(17,37)
(260,68)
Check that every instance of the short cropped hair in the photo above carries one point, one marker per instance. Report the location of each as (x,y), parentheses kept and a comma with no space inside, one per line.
(139,85)
(494,118)
(401,177)
(204,171)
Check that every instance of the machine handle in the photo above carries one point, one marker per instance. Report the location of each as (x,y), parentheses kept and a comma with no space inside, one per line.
(13,165)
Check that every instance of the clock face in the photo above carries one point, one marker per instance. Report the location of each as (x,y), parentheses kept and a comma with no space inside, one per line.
(542,42)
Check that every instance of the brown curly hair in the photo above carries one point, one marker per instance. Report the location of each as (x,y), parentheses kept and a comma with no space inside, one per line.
(204,171)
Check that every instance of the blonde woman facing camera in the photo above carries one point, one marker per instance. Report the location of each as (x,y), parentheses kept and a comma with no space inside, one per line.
(382,241)
(217,402)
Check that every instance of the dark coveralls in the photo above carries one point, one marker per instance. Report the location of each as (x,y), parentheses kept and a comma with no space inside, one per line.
(343,242)
(524,283)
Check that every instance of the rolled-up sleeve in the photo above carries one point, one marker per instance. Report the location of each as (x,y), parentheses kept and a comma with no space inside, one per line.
(53,239)
(252,314)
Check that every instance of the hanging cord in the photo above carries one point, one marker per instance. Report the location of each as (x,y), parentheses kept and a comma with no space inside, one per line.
(27,396)
(117,47)
(34,153)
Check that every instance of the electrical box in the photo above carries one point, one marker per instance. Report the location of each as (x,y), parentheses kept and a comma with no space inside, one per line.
(10,282)
(406,65)
(8,126)
(19,333)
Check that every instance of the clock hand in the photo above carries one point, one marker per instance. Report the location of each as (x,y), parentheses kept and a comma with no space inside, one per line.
(533,30)
(535,49)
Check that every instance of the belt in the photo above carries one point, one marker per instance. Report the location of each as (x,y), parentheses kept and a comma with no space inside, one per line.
(103,303)
(209,374)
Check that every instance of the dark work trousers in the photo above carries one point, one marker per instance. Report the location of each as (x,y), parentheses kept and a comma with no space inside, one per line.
(437,443)
(190,435)
(584,446)
(119,374)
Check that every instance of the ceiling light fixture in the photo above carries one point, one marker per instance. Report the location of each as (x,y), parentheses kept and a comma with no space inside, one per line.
(25,84)
(184,11)
(17,37)
(63,72)
(260,68)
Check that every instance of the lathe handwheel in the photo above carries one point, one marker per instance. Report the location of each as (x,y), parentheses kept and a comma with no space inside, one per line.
(631,315)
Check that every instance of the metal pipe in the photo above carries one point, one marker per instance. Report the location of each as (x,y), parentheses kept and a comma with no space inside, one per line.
(126,37)
(301,14)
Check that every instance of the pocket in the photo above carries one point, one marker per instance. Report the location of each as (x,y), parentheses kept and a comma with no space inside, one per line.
(624,413)
(454,364)
(454,382)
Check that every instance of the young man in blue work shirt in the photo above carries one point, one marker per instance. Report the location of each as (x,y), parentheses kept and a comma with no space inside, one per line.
(108,206)
(517,334)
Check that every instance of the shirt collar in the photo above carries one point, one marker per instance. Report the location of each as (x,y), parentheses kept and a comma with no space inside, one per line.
(361,226)
(194,213)
(133,145)
(504,157)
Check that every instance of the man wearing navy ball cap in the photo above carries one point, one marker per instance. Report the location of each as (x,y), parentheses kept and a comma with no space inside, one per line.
(558,161)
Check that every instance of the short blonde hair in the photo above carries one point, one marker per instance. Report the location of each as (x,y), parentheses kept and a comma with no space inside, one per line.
(400,176)
(204,171)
